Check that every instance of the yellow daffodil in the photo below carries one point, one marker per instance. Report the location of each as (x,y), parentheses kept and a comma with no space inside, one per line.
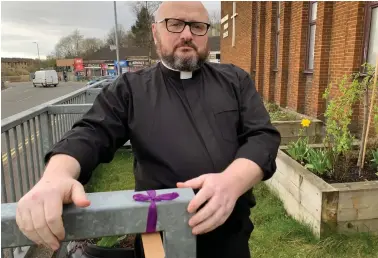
(305,122)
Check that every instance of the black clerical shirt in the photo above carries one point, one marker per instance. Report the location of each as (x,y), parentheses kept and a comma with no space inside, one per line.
(179,128)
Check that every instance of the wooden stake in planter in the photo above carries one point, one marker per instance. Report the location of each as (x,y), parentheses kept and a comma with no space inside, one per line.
(370,114)
(152,245)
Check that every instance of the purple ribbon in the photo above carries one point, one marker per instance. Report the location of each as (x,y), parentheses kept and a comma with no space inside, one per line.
(152,210)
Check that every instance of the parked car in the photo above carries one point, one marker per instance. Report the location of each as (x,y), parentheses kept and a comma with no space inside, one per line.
(45,78)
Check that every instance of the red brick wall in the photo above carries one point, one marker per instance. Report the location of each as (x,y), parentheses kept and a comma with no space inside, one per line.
(346,45)
(316,103)
(338,50)
(269,53)
(280,94)
(241,54)
(260,51)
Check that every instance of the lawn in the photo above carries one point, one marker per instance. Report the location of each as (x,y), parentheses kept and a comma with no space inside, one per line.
(275,235)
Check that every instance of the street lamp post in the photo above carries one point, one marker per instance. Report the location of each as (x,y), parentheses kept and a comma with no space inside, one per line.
(116,37)
(39,58)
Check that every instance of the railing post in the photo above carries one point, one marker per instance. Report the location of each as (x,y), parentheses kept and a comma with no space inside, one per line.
(46,133)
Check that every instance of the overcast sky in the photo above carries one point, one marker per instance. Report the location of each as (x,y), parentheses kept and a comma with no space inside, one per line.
(46,22)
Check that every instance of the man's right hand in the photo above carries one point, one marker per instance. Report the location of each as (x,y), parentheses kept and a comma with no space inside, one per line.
(39,212)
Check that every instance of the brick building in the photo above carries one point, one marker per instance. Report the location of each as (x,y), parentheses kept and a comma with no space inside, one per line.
(294,50)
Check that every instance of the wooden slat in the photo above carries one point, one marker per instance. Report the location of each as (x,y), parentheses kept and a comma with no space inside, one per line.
(366,225)
(152,245)
(306,194)
(294,208)
(358,205)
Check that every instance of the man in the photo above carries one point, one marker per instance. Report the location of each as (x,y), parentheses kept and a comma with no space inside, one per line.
(191,124)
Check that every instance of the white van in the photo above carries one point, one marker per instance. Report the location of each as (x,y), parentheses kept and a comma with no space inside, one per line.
(45,78)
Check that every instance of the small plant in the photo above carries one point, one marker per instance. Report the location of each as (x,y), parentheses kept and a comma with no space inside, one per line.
(375,160)
(298,150)
(339,139)
(110,241)
(277,114)
(319,161)
(375,118)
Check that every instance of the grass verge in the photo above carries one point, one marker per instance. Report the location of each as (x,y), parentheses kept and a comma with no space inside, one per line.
(276,234)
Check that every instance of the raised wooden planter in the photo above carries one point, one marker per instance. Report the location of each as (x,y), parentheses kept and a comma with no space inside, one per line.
(290,130)
(341,207)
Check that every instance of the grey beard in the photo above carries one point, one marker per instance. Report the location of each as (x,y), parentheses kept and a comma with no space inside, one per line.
(183,64)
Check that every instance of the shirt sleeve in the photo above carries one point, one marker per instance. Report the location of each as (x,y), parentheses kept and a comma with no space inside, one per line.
(95,138)
(260,139)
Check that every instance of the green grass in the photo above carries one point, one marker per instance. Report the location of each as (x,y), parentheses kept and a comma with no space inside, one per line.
(115,176)
(276,235)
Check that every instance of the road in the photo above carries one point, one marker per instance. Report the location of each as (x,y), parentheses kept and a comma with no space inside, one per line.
(22,96)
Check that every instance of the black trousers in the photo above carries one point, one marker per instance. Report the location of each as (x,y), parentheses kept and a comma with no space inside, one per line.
(227,241)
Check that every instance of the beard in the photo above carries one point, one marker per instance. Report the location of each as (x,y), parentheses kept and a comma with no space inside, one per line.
(182,63)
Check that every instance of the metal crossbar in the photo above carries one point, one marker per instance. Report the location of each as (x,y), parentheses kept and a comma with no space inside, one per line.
(69,109)
(116,214)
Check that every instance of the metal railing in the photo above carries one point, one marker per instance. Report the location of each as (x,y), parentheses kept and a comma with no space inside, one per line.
(28,135)
(126,216)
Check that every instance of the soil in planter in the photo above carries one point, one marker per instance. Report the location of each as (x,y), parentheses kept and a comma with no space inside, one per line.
(127,242)
(348,170)
(351,172)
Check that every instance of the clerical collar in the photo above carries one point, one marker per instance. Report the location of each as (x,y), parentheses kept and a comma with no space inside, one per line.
(183,75)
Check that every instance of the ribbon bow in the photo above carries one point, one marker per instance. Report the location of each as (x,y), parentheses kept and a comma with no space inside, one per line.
(152,210)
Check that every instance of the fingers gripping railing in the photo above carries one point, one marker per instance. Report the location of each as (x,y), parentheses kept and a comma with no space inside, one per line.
(117,213)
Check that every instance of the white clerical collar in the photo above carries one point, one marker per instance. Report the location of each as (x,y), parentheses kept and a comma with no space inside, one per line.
(183,75)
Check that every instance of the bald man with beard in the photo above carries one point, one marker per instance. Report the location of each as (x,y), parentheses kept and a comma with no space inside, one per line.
(191,124)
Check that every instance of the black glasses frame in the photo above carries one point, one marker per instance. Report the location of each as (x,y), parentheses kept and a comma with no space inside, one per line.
(186,23)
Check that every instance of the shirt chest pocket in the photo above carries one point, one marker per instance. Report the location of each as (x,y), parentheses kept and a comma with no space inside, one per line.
(226,119)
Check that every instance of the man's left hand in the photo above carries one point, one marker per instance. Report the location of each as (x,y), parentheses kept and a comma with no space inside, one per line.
(218,191)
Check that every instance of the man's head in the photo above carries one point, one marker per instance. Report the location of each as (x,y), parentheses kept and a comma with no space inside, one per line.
(181,46)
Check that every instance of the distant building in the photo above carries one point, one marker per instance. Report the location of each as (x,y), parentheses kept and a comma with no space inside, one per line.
(17,63)
(65,65)
(215,53)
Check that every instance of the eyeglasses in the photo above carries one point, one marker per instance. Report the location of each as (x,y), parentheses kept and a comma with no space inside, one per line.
(178,26)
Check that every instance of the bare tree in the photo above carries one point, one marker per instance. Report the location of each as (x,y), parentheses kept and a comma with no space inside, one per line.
(151,6)
(142,29)
(75,45)
(69,46)
(215,21)
(90,45)
(124,37)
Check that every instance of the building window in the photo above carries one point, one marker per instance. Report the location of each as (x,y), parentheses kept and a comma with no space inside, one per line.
(277,52)
(311,35)
(370,50)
